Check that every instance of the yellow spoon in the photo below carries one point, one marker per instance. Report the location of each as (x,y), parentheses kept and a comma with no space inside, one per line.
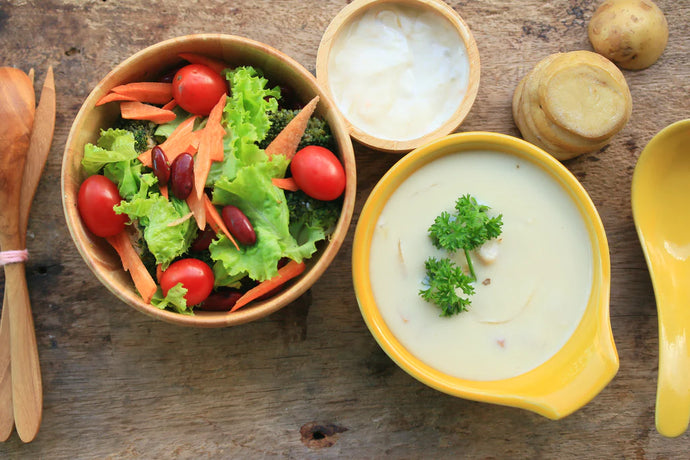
(661,210)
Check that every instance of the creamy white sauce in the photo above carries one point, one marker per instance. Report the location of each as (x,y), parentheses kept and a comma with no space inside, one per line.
(398,72)
(538,283)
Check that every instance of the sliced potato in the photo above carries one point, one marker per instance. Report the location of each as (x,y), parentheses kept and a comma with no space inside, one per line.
(597,103)
(556,135)
(586,100)
(571,103)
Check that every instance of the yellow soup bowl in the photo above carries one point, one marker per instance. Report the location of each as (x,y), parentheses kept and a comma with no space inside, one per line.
(580,368)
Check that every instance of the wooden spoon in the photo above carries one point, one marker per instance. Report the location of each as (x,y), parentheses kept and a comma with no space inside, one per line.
(661,209)
(17,113)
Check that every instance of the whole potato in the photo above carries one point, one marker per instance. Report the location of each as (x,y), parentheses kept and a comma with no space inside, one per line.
(631,33)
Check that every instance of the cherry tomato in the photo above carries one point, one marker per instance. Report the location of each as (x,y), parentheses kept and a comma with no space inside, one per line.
(197,88)
(194,275)
(95,201)
(318,173)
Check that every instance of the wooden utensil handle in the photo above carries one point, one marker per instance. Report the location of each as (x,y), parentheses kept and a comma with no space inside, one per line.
(6,414)
(27,391)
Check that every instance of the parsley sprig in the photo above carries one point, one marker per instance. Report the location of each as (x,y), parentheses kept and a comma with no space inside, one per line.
(467,228)
(443,277)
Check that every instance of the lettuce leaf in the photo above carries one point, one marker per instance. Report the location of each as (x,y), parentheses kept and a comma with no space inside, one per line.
(266,208)
(174,300)
(113,146)
(246,117)
(155,213)
(127,176)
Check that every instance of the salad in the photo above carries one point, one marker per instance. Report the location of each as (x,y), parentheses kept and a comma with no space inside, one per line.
(213,187)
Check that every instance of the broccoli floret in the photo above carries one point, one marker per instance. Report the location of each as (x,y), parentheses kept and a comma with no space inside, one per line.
(317,133)
(311,218)
(143,133)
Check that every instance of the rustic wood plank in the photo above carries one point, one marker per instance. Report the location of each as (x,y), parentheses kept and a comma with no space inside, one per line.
(310,381)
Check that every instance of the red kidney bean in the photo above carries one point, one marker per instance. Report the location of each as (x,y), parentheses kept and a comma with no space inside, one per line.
(203,240)
(220,301)
(182,176)
(161,168)
(238,225)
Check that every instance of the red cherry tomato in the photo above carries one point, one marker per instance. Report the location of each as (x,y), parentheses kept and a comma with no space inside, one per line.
(318,173)
(194,275)
(197,88)
(95,201)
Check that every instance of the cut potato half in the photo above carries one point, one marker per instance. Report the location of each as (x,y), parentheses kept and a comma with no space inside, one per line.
(571,103)
(586,100)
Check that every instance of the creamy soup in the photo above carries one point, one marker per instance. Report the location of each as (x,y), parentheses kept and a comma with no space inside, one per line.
(398,72)
(533,282)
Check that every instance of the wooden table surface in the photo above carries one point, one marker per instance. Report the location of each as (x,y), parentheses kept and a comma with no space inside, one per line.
(310,381)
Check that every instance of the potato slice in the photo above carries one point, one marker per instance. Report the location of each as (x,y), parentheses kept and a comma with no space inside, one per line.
(584,97)
(559,137)
(524,121)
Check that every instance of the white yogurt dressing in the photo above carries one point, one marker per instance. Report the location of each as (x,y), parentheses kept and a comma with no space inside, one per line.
(398,72)
(536,289)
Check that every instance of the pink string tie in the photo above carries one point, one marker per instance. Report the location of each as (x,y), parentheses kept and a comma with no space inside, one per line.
(13,257)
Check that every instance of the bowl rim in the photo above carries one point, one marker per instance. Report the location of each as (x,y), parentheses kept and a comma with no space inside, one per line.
(358,7)
(207,319)
(579,370)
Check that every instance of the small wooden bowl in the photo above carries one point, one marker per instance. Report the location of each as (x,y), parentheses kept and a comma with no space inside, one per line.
(147,64)
(444,11)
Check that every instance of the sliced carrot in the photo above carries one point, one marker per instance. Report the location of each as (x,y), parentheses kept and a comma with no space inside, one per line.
(112,97)
(210,146)
(287,141)
(151,92)
(170,105)
(159,272)
(216,221)
(135,110)
(132,263)
(194,58)
(164,191)
(285,273)
(286,183)
(181,140)
(198,208)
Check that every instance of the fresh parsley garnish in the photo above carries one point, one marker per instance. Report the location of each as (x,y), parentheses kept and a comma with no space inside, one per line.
(466,229)
(443,277)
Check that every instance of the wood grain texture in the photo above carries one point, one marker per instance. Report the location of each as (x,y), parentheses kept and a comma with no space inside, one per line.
(118,384)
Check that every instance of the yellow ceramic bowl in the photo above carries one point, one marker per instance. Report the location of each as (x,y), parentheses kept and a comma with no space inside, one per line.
(148,64)
(579,370)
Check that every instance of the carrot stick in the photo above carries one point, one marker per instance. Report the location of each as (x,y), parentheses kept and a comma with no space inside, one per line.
(146,91)
(170,105)
(181,140)
(111,97)
(135,110)
(285,273)
(159,272)
(216,221)
(198,208)
(210,146)
(132,263)
(287,141)
(164,191)
(194,58)
(286,183)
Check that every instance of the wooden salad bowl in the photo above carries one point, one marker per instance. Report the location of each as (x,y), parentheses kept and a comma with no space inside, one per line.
(148,64)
